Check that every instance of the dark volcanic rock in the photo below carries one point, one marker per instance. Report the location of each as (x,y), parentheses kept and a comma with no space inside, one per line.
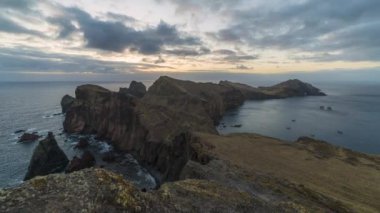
(109,157)
(66,102)
(86,161)
(83,143)
(29,137)
(136,89)
(157,127)
(19,131)
(47,158)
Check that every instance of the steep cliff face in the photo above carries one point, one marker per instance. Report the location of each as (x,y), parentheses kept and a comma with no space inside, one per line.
(156,127)
(203,99)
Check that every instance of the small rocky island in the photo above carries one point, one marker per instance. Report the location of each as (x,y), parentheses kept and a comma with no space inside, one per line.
(171,130)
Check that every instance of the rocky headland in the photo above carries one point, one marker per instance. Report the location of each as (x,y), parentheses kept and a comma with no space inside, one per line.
(170,129)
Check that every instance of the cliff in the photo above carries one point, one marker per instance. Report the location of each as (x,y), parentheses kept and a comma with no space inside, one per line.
(155,127)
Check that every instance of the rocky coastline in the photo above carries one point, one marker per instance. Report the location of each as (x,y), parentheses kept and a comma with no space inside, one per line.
(171,130)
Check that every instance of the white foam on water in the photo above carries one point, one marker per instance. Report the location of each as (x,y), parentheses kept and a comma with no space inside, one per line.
(31,130)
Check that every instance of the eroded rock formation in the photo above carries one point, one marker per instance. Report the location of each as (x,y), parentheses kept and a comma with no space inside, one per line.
(136,89)
(47,158)
(28,137)
(156,128)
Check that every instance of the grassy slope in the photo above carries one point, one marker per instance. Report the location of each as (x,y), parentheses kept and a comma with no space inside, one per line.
(357,185)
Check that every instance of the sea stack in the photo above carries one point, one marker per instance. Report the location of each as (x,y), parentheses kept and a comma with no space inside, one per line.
(47,158)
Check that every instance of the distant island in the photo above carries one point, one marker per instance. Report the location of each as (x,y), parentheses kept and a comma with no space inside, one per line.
(171,130)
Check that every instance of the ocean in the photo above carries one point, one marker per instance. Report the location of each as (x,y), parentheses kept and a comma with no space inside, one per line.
(35,107)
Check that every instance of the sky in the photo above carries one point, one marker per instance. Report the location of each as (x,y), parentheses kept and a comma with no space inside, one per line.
(116,39)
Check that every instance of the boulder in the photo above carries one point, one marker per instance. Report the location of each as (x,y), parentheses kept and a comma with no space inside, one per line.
(47,158)
(29,137)
(82,144)
(66,102)
(19,131)
(109,157)
(86,161)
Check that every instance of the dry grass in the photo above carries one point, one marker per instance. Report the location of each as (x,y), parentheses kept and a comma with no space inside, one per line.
(357,185)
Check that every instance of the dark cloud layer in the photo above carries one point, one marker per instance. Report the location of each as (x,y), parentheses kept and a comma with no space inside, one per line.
(22,5)
(192,6)
(347,26)
(33,60)
(9,26)
(116,36)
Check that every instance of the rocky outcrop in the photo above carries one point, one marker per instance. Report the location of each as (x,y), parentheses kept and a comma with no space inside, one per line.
(28,137)
(66,102)
(136,89)
(47,158)
(82,143)
(156,127)
(97,190)
(87,160)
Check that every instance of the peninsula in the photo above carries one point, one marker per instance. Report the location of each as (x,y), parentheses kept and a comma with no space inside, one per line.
(170,129)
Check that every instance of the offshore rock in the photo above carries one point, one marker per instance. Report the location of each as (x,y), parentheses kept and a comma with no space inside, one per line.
(47,158)
(28,137)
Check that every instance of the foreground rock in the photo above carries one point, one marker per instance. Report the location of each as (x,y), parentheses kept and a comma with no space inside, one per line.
(96,190)
(87,160)
(244,173)
(47,158)
(28,137)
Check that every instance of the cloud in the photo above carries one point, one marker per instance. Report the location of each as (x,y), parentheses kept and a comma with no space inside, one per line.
(120,17)
(32,60)
(346,26)
(160,60)
(185,6)
(242,67)
(189,52)
(117,37)
(224,52)
(9,26)
(22,5)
